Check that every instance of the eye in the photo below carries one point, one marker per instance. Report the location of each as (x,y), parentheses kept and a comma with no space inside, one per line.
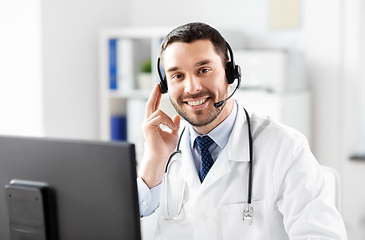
(203,70)
(177,76)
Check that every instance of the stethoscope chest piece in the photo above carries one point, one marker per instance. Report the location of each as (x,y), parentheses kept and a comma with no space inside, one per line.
(248,214)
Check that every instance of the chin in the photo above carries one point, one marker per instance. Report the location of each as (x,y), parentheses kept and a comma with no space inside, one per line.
(200,118)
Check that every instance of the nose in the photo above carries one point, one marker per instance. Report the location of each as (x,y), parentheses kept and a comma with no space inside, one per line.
(192,85)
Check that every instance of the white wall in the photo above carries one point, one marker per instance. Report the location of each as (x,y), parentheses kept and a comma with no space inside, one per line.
(21,111)
(70,54)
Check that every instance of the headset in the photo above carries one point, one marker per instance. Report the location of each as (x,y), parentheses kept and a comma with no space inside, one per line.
(232,70)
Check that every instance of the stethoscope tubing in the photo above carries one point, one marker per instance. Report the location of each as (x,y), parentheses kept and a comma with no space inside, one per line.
(250,144)
(175,152)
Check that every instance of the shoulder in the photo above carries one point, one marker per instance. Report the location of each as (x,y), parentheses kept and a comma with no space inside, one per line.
(281,147)
(268,129)
(271,125)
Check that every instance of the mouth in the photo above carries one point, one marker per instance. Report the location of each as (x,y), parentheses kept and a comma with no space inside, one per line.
(197,102)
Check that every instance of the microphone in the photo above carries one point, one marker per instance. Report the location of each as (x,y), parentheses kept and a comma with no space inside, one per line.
(220,103)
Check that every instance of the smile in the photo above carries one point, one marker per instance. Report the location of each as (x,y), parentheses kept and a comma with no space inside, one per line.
(197,103)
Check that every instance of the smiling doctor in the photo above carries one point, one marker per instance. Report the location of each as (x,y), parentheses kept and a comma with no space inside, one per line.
(228,174)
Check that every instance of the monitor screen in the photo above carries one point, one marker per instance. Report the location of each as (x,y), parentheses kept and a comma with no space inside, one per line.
(92,184)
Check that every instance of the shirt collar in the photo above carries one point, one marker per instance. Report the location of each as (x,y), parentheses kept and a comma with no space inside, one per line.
(219,134)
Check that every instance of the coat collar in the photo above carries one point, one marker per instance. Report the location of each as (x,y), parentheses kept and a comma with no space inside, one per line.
(238,144)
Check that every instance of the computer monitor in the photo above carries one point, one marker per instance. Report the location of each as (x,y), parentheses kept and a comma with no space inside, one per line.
(93,185)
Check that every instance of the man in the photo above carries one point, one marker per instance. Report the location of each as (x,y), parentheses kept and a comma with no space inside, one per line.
(205,191)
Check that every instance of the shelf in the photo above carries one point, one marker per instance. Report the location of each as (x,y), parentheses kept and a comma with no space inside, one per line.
(358,157)
(131,47)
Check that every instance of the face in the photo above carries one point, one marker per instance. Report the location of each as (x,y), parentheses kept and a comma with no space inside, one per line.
(196,80)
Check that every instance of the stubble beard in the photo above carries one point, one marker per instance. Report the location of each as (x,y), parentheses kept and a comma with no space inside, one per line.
(199,119)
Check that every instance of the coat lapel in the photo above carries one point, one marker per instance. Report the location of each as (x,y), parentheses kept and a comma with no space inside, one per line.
(190,173)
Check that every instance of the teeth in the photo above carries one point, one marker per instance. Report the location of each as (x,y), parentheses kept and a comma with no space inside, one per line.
(197,103)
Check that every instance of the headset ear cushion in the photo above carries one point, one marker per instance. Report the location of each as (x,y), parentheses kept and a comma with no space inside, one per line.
(163,86)
(163,82)
(230,72)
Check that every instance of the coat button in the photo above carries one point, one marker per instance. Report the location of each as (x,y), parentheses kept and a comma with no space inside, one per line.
(203,217)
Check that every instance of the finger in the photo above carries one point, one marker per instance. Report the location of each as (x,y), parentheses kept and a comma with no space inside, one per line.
(159,117)
(153,102)
(176,119)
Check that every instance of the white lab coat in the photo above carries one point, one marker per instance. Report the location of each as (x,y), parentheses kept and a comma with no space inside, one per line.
(289,197)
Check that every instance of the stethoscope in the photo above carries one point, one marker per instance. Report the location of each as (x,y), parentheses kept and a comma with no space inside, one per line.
(247,213)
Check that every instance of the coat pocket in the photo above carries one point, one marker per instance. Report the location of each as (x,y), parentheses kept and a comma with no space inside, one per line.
(233,226)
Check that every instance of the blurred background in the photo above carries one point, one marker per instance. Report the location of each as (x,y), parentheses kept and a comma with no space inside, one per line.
(302,60)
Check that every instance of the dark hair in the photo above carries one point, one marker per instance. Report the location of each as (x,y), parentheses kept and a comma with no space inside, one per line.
(196,31)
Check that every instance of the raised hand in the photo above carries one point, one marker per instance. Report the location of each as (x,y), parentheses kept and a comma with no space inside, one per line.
(159,144)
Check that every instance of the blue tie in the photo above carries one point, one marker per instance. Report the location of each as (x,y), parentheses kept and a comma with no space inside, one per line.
(204,143)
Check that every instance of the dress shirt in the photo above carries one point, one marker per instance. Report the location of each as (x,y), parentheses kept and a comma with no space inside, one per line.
(220,136)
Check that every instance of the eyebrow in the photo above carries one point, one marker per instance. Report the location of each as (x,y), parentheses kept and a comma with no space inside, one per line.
(172,69)
(204,62)
(198,64)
